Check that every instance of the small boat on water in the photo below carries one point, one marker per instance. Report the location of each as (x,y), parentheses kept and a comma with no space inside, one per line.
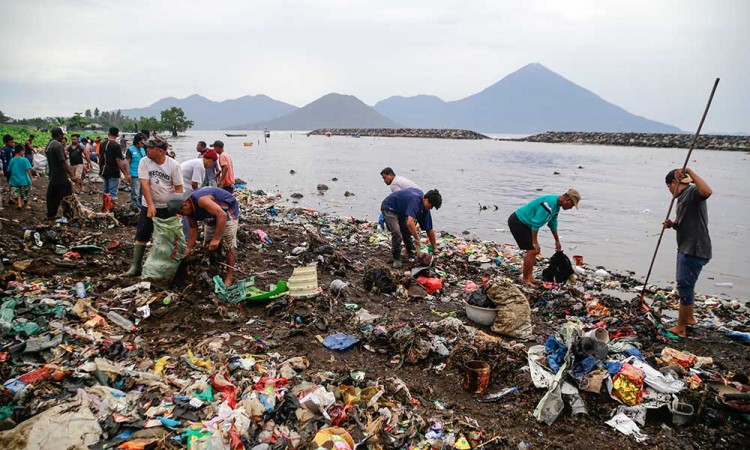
(235,134)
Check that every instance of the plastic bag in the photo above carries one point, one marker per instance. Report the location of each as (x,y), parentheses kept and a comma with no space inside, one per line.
(168,250)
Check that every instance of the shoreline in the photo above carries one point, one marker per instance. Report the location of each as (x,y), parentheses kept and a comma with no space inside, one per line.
(648,140)
(427,133)
(219,334)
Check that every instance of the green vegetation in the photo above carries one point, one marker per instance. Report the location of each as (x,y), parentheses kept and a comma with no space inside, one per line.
(21,133)
(172,120)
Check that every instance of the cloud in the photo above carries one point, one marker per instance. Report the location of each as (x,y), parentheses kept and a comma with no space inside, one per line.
(655,59)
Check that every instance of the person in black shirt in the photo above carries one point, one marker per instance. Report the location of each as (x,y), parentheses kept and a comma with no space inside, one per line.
(693,240)
(77,154)
(114,165)
(59,173)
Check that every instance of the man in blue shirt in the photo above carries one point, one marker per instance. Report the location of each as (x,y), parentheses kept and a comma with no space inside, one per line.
(525,223)
(401,211)
(6,154)
(133,157)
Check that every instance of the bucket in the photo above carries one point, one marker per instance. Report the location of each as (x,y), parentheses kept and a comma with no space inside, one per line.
(476,376)
(578,259)
(682,413)
(482,316)
(599,334)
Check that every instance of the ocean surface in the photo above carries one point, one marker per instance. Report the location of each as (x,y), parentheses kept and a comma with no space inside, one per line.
(624,197)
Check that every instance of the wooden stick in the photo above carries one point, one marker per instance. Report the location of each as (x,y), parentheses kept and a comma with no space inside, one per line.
(674,197)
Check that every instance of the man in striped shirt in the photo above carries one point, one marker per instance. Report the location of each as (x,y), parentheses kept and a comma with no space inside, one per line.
(525,223)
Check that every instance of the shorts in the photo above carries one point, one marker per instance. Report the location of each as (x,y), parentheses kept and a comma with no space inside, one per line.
(228,238)
(521,233)
(111,186)
(77,171)
(145,228)
(688,269)
(20,191)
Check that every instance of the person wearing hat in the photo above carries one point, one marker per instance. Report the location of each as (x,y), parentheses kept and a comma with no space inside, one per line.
(409,206)
(220,213)
(160,179)
(60,173)
(194,170)
(226,180)
(693,240)
(526,221)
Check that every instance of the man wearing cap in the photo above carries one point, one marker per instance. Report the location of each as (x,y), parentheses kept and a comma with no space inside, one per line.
(213,172)
(194,170)
(526,221)
(409,206)
(693,240)
(226,181)
(60,173)
(160,179)
(219,211)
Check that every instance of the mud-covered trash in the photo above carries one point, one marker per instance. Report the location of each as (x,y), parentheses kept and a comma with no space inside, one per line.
(513,312)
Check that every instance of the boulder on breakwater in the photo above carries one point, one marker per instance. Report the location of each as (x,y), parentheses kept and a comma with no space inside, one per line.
(434,133)
(705,142)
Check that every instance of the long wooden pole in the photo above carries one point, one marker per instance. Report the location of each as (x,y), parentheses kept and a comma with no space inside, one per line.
(674,196)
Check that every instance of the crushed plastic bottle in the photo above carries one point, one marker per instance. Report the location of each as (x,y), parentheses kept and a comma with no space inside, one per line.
(124,323)
(80,290)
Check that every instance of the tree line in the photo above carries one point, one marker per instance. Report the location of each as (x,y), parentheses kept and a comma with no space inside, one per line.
(172,120)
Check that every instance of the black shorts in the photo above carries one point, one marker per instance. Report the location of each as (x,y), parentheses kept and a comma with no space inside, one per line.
(145,228)
(521,233)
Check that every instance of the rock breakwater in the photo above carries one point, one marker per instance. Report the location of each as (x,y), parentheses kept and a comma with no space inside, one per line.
(433,133)
(705,142)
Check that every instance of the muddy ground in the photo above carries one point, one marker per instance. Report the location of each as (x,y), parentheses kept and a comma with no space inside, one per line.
(195,318)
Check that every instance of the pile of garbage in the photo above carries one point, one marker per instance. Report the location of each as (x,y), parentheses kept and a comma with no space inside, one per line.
(320,344)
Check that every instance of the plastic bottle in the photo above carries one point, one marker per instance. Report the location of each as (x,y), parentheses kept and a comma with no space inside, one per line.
(121,321)
(80,290)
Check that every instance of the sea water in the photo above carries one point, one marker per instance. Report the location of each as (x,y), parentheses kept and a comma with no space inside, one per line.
(624,196)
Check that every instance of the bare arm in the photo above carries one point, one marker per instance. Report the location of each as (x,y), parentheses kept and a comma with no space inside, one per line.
(704,189)
(192,235)
(215,210)
(146,191)
(412,226)
(433,240)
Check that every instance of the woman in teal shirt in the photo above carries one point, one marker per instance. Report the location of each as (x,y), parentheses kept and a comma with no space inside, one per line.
(20,177)
(133,157)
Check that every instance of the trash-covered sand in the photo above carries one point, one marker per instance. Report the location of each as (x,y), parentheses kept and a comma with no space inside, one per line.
(374,360)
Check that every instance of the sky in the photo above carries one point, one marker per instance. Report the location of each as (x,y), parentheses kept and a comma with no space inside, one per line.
(656,59)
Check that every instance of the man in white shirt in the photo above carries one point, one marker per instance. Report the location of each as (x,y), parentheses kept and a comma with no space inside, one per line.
(194,170)
(160,178)
(397,182)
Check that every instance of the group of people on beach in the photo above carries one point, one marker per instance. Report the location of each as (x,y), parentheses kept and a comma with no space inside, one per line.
(201,189)
(407,207)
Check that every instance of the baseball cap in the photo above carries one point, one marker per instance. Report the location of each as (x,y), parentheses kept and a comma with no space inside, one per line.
(158,144)
(174,204)
(575,196)
(210,154)
(670,177)
(218,144)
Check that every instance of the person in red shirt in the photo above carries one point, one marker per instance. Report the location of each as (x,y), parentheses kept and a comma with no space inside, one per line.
(226,181)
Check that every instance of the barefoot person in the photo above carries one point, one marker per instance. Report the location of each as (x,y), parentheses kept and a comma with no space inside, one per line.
(525,223)
(693,241)
(220,213)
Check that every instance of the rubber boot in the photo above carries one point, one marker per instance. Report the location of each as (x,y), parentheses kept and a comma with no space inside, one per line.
(137,266)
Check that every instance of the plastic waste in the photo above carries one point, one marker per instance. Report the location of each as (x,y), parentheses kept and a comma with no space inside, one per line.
(627,426)
(497,396)
(122,322)
(739,335)
(80,290)
(339,341)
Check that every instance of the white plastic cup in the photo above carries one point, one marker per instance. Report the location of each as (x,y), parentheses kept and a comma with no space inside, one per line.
(599,334)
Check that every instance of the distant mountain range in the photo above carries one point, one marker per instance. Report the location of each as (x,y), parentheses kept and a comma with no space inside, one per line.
(210,115)
(530,100)
(329,111)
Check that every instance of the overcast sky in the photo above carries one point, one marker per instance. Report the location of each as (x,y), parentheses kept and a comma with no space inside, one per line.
(654,58)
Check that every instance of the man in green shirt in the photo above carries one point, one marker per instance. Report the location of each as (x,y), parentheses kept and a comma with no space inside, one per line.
(525,223)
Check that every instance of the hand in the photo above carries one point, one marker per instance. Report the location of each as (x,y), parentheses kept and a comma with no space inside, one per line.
(558,246)
(213,245)
(127,178)
(187,252)
(669,223)
(536,247)
(435,250)
(151,213)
